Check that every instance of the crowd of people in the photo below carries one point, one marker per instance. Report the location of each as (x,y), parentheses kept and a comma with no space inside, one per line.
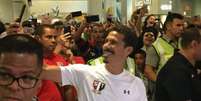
(91,61)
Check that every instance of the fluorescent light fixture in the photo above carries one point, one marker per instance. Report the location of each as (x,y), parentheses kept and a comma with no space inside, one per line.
(166,7)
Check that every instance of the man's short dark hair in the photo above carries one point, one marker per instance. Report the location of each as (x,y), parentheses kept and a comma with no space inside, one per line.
(58,24)
(22,43)
(40,30)
(170,17)
(130,38)
(142,52)
(189,35)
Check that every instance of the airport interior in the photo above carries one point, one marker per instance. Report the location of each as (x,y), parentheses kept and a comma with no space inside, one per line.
(100,50)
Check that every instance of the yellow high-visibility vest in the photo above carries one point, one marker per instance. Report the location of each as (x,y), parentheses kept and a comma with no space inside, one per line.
(164,50)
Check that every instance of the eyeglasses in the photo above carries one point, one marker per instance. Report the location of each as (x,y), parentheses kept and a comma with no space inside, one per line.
(25,82)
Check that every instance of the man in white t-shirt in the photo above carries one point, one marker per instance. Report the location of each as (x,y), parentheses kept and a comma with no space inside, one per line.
(109,82)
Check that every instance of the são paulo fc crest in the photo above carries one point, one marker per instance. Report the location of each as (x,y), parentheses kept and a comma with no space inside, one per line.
(98,86)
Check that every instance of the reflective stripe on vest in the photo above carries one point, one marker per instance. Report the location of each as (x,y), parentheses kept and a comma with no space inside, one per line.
(130,64)
(164,50)
(96,61)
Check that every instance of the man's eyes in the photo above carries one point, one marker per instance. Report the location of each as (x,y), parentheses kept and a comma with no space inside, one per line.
(5,75)
(111,41)
(180,25)
(50,37)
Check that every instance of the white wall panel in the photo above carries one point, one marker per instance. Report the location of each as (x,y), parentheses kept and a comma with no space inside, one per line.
(6,10)
(43,6)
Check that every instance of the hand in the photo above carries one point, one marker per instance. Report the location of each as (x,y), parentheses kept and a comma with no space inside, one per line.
(143,10)
(68,17)
(131,24)
(63,38)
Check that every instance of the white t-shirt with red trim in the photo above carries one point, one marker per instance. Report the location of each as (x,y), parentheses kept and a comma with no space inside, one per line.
(97,84)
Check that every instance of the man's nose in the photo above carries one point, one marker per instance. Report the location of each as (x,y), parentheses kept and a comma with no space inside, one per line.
(14,86)
(181,27)
(53,40)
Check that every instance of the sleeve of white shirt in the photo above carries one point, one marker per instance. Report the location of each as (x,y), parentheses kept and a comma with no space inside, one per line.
(72,74)
(143,95)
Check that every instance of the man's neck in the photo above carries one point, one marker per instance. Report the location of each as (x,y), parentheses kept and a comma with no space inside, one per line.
(170,36)
(187,54)
(48,54)
(115,69)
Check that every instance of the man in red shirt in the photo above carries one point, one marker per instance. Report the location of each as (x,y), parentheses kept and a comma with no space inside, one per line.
(47,36)
(65,44)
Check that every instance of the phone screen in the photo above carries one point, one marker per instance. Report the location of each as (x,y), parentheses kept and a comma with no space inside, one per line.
(76,14)
(92,18)
(67,29)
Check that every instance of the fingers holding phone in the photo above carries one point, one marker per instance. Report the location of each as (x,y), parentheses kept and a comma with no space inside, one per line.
(63,38)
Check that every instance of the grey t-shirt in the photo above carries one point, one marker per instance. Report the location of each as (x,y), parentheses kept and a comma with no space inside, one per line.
(152,57)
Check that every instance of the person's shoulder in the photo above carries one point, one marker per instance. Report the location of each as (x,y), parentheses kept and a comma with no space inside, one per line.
(78,66)
(133,77)
(177,62)
(138,80)
(48,91)
(59,59)
(86,67)
(177,65)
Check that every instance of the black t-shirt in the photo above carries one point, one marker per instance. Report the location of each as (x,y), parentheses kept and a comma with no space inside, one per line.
(178,81)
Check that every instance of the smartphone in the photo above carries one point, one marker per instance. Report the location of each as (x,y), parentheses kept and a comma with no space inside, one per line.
(67,29)
(92,18)
(76,14)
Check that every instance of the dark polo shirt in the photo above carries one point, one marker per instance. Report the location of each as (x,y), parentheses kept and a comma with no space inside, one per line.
(178,81)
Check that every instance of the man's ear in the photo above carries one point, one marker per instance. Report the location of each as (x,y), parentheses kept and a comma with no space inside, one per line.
(193,44)
(129,50)
(168,25)
(37,37)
